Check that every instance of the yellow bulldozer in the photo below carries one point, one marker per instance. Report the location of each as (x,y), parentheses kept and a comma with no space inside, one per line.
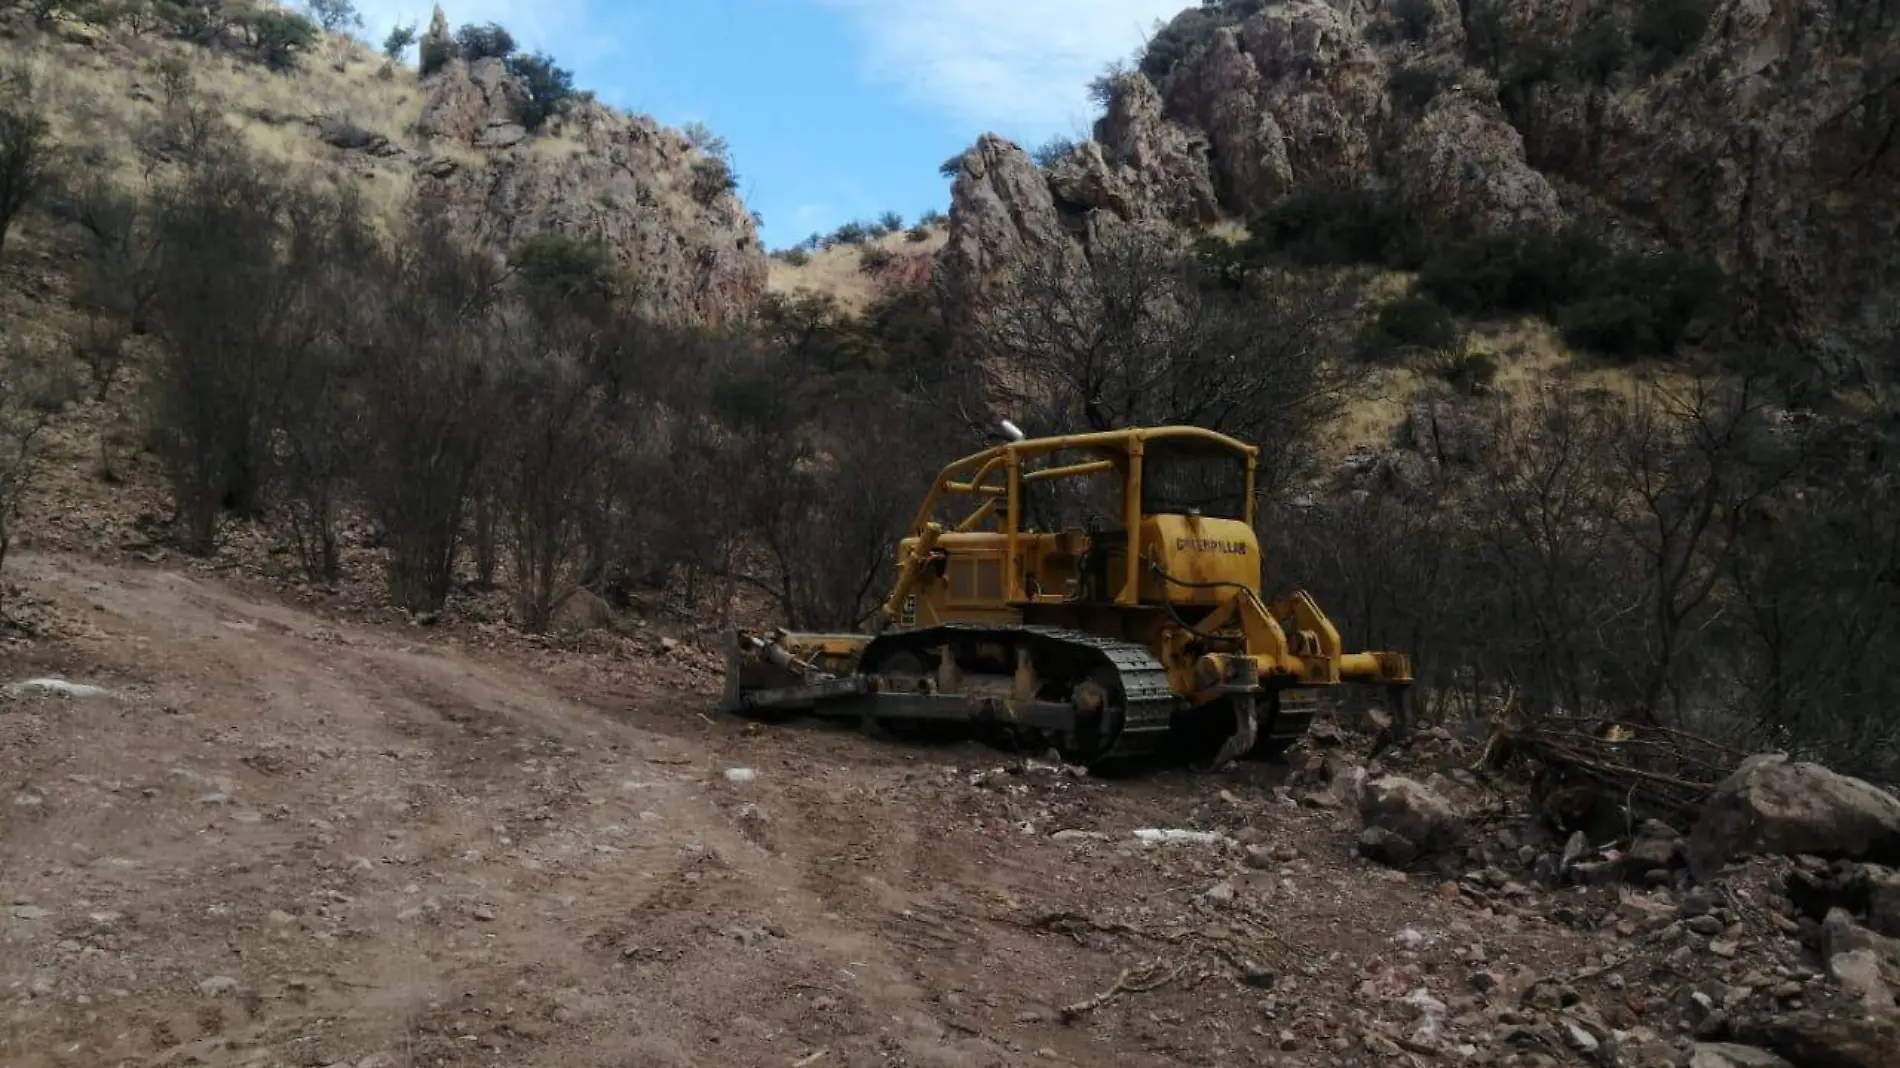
(1097,593)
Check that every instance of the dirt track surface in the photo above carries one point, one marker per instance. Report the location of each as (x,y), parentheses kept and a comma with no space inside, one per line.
(286,840)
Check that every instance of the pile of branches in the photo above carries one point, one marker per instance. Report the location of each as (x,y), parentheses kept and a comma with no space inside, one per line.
(1644,770)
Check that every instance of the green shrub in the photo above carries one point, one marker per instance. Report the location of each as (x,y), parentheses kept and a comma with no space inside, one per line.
(874,258)
(1053,151)
(797,257)
(1510,272)
(951,167)
(570,268)
(1600,49)
(549,87)
(1612,303)
(933,217)
(398,41)
(712,179)
(1666,30)
(851,233)
(1411,323)
(917,234)
(1465,370)
(890,222)
(1324,227)
(433,54)
(1414,88)
(280,37)
(334,15)
(488,41)
(1414,18)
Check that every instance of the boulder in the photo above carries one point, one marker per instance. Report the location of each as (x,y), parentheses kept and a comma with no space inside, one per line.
(1728,1055)
(1399,807)
(1657,846)
(1813,1040)
(582,610)
(1386,847)
(1869,891)
(1883,900)
(1775,806)
(1866,964)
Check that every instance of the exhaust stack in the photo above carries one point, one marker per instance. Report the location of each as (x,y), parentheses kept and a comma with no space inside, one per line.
(1015,433)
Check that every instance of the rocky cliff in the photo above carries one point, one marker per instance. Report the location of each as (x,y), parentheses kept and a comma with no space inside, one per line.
(686,241)
(1761,133)
(464,135)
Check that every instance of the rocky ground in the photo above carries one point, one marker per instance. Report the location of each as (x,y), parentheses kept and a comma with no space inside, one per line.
(252,834)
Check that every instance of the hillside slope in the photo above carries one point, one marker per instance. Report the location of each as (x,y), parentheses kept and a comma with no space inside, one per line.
(460,137)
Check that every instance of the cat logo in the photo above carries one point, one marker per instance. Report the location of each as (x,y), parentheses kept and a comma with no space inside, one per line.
(1209,545)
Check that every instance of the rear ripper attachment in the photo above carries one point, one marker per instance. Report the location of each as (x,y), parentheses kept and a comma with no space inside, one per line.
(1105,640)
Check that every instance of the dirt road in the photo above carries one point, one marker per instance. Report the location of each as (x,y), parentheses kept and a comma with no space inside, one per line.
(283,840)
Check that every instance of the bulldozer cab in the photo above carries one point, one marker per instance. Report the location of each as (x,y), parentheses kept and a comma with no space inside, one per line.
(1155,515)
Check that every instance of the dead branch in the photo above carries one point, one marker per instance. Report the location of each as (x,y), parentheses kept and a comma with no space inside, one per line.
(1137,980)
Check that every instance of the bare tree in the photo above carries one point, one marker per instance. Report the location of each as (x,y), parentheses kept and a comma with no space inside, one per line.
(428,402)
(236,257)
(1138,333)
(551,462)
(1541,509)
(317,419)
(1692,464)
(26,152)
(116,280)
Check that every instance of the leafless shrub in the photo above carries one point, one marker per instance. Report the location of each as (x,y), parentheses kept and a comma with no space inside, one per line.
(240,248)
(552,461)
(428,402)
(26,151)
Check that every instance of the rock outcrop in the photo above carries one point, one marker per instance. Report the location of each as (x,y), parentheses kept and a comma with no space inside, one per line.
(1765,142)
(594,173)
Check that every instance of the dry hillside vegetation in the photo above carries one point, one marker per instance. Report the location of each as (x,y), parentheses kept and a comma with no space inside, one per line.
(857,274)
(379,477)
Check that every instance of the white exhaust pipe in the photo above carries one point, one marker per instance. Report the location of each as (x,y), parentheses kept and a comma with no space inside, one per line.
(1015,433)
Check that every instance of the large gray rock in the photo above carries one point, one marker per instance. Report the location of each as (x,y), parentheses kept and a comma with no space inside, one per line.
(1812,1040)
(1883,900)
(1774,806)
(1866,964)
(1394,807)
(1728,1055)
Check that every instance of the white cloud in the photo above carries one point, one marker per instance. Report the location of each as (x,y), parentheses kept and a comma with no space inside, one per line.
(1019,67)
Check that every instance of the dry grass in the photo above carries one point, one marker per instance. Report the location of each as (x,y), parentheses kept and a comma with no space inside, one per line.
(100,95)
(836,271)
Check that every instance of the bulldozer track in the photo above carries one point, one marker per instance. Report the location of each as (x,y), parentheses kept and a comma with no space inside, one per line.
(1148,700)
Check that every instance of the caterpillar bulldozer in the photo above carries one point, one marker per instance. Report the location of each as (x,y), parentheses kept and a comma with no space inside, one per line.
(1099,594)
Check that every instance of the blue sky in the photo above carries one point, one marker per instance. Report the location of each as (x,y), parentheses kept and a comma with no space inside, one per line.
(835,109)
